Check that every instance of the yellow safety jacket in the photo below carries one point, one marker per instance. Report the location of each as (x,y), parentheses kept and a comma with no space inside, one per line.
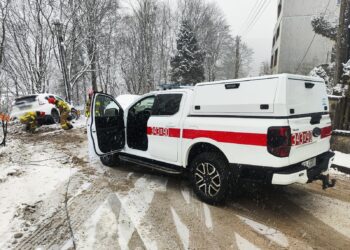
(28,117)
(62,106)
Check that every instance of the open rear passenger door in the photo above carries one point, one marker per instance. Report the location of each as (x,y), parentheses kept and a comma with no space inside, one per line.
(106,122)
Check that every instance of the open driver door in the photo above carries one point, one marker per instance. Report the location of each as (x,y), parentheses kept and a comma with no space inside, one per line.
(106,127)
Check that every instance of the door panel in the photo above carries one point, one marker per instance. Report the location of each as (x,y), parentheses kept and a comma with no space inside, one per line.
(164,127)
(107,129)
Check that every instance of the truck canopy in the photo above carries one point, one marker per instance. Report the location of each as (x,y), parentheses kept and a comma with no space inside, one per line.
(275,95)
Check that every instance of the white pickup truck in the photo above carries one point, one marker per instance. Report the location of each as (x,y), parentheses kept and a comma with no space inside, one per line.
(273,129)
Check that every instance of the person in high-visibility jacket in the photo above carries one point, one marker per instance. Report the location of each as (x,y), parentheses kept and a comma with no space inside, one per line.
(88,105)
(64,112)
(30,119)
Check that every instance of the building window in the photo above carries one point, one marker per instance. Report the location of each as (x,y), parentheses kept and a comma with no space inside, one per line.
(276,56)
(273,41)
(278,33)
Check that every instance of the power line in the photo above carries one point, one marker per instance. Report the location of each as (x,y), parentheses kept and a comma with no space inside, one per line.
(251,14)
(312,40)
(258,16)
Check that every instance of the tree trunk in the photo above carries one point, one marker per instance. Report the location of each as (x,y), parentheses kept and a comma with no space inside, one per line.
(237,57)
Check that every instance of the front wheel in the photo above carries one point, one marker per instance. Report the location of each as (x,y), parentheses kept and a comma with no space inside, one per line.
(110,160)
(210,177)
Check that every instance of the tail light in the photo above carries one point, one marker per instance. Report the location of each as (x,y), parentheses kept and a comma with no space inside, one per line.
(279,141)
(325,132)
(42,114)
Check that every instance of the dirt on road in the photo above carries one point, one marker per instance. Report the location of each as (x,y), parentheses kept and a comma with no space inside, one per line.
(52,196)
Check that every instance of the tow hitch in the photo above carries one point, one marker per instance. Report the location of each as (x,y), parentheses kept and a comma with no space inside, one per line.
(326,182)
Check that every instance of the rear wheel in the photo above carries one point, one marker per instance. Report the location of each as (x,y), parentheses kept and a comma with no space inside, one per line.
(110,160)
(210,177)
(55,116)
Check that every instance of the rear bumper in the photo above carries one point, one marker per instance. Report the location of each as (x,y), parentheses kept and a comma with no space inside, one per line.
(287,175)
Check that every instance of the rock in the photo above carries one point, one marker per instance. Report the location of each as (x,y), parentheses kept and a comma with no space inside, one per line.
(14,242)
(18,235)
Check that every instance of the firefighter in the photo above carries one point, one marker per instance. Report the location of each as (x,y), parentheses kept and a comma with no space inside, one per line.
(30,119)
(64,112)
(88,103)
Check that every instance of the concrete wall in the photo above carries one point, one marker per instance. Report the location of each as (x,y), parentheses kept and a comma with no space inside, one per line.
(296,34)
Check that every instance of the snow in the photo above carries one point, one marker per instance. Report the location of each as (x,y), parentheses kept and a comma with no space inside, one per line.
(335,96)
(35,184)
(342,131)
(207,216)
(271,233)
(95,228)
(244,244)
(342,160)
(186,194)
(135,204)
(181,229)
(319,205)
(126,100)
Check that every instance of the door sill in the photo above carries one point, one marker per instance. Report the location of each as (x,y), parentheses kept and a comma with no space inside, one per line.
(152,164)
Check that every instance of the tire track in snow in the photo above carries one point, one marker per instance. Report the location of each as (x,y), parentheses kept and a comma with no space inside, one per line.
(271,233)
(207,215)
(135,204)
(244,244)
(320,206)
(181,228)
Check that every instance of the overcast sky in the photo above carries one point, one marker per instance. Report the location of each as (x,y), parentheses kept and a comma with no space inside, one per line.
(259,37)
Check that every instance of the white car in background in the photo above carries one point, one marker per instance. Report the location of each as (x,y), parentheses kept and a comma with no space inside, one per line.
(39,102)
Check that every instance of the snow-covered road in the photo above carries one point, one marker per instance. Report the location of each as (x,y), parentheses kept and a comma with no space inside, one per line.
(131,208)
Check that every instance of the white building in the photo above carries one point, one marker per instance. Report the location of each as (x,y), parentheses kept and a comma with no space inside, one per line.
(296,48)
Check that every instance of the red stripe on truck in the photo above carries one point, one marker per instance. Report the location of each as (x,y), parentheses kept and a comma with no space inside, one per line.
(227,137)
(219,136)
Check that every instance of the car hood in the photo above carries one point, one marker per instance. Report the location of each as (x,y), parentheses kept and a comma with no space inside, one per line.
(126,100)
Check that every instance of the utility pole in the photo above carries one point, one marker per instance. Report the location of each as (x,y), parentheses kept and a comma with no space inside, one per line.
(60,42)
(237,57)
(342,46)
(342,56)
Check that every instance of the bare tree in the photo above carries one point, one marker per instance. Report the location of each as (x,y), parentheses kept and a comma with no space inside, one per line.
(30,44)
(265,69)
(237,60)
(139,47)
(4,6)
(213,32)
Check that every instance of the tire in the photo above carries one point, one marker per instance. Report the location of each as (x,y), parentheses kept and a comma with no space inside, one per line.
(75,114)
(110,160)
(210,177)
(55,116)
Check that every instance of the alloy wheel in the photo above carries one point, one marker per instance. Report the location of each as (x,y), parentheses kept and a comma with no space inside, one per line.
(207,179)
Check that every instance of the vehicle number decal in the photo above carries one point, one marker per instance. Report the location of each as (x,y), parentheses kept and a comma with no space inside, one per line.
(160,131)
(301,138)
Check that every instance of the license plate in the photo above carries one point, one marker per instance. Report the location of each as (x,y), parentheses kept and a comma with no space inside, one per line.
(309,163)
